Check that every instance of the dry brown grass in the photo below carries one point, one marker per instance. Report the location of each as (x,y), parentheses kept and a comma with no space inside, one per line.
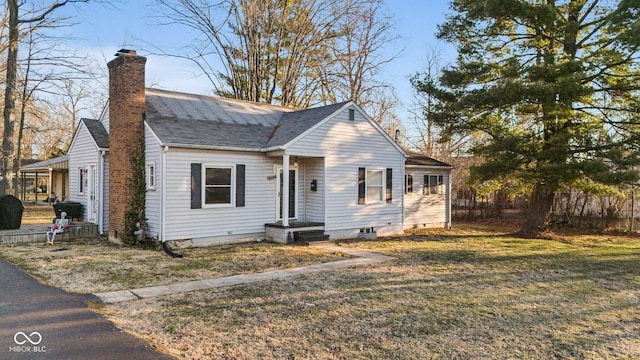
(100,266)
(462,294)
(469,293)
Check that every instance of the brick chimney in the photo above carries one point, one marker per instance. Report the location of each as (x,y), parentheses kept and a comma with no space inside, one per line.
(126,131)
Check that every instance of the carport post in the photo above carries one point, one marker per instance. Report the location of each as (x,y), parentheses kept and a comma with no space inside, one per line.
(35,187)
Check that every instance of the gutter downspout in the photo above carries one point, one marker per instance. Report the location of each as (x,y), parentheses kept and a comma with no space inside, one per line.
(161,235)
(101,187)
(163,172)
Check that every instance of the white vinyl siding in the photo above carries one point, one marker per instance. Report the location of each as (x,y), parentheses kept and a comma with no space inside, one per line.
(182,222)
(346,146)
(153,155)
(424,209)
(314,200)
(83,151)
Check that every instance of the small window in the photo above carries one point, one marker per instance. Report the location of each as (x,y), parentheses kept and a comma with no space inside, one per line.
(151,176)
(352,114)
(433,184)
(408,189)
(82,180)
(375,186)
(218,185)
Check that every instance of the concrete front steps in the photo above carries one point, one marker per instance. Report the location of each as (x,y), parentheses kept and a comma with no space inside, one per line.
(305,237)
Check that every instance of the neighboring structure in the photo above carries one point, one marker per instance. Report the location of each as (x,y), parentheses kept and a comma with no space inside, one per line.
(221,170)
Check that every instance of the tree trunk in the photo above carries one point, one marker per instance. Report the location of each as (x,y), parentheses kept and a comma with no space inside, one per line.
(10,84)
(538,211)
(23,108)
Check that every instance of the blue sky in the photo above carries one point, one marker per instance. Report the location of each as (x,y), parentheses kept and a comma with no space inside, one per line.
(102,30)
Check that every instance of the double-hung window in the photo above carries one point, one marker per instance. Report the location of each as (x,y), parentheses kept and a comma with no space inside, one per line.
(374,185)
(433,184)
(218,185)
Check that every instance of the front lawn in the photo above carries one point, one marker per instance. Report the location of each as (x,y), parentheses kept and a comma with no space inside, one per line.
(471,293)
(451,295)
(100,266)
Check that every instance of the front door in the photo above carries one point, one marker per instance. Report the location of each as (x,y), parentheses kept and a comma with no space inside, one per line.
(293,193)
(92,182)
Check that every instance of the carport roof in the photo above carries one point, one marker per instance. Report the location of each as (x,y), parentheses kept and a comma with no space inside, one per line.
(59,163)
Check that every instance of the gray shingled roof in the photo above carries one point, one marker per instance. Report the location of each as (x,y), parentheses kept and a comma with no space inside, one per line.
(208,134)
(98,132)
(293,124)
(189,120)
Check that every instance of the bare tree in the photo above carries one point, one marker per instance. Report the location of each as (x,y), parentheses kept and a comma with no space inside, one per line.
(270,51)
(422,108)
(35,18)
(295,53)
(360,54)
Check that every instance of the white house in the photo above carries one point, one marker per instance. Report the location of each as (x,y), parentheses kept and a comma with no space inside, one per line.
(88,159)
(216,168)
(427,200)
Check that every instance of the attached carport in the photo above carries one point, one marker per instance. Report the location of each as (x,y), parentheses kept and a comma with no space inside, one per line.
(52,173)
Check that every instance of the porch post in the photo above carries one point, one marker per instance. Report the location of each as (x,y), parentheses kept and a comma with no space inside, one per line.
(35,185)
(50,183)
(285,190)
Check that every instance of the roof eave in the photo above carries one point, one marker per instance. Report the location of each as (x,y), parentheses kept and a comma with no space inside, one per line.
(213,147)
(439,167)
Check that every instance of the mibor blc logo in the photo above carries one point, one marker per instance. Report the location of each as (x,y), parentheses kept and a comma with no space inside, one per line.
(27,343)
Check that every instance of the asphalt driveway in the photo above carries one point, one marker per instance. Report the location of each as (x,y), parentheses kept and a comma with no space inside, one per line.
(41,322)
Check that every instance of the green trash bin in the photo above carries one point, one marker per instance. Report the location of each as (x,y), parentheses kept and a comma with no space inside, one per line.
(73,209)
(10,212)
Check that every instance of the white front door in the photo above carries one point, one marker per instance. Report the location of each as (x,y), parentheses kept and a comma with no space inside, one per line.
(92,210)
(293,193)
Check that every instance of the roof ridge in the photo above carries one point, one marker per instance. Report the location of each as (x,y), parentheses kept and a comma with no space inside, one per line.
(221,98)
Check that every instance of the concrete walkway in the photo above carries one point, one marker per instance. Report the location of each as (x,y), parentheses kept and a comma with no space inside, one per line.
(361,258)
